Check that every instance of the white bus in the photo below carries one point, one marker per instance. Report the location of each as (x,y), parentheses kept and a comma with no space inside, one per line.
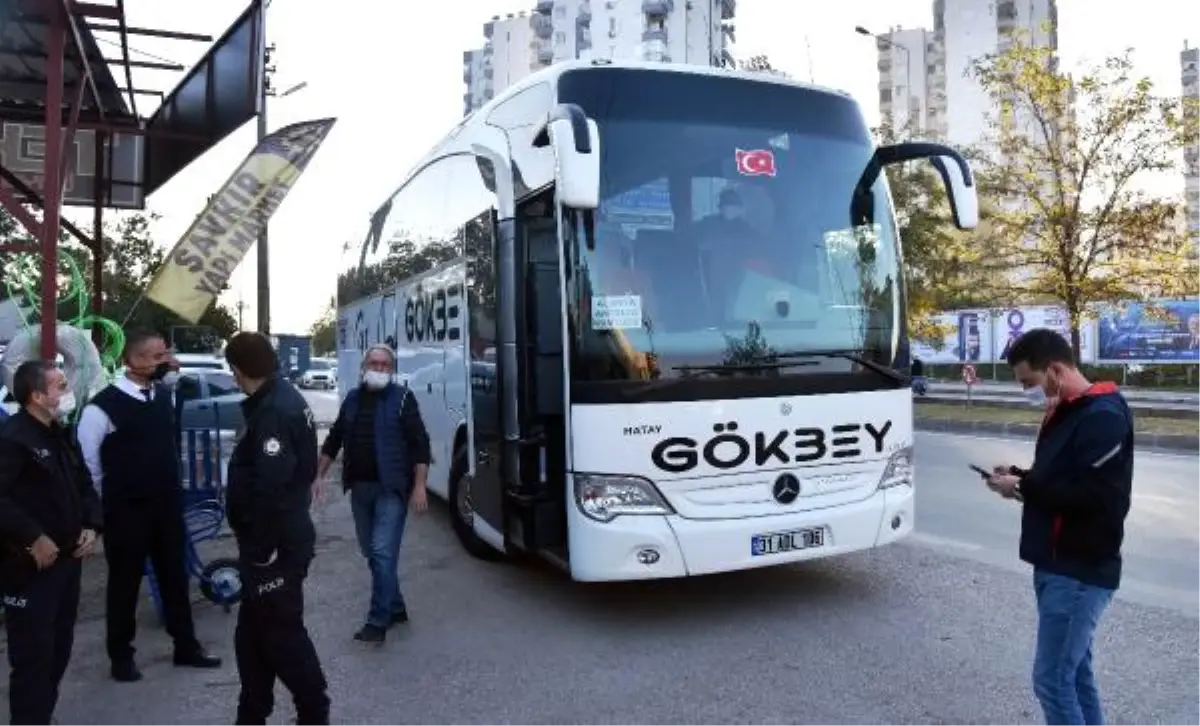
(654,317)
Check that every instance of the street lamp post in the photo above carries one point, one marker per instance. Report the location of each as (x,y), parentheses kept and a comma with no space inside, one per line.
(907,66)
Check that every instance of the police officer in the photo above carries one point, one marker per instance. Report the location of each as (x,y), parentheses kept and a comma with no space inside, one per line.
(49,519)
(270,474)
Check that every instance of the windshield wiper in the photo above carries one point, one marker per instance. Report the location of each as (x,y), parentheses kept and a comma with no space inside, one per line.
(689,371)
(879,368)
(765,365)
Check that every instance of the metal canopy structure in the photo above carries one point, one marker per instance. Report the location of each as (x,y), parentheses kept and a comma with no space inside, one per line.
(70,128)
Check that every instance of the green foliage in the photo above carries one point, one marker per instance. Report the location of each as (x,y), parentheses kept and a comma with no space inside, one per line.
(1068,155)
(324,331)
(131,258)
(940,261)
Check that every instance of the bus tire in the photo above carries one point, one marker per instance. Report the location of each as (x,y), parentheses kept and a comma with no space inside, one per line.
(471,542)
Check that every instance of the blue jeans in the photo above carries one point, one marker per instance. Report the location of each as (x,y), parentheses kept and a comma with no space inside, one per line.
(1068,613)
(379,524)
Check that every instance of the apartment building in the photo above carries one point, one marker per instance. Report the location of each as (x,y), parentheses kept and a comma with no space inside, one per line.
(910,97)
(925,79)
(1189,66)
(668,31)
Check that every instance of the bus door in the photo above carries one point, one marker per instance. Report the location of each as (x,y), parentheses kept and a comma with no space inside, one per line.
(537,519)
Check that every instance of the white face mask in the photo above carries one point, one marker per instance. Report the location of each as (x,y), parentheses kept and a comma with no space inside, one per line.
(375,380)
(1037,396)
(66,405)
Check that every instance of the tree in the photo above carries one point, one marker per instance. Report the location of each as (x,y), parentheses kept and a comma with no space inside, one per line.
(760,64)
(324,331)
(940,261)
(1066,157)
(131,258)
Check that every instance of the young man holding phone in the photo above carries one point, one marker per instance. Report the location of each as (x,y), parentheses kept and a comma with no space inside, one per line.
(1075,499)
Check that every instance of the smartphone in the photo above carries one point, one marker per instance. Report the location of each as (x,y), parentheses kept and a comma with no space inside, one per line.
(981,471)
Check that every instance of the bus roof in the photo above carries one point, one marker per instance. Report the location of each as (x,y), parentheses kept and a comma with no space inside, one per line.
(464,129)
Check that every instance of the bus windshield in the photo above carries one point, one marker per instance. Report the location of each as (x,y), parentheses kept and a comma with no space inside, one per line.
(724,235)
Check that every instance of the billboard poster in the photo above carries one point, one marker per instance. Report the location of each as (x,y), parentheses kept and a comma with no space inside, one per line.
(1010,323)
(1167,332)
(968,339)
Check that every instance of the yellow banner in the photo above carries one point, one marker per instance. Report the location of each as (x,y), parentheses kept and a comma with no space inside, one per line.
(199,266)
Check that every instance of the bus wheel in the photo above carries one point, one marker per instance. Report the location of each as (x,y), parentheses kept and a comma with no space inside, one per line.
(461,514)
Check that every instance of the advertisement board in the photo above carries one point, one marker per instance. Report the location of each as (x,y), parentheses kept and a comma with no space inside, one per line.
(1165,331)
(968,339)
(1010,323)
(983,336)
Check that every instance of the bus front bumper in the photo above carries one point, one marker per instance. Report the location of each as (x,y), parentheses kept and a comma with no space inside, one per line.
(662,546)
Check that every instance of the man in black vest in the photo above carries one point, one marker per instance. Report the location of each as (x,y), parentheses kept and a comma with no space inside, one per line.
(128,437)
(49,518)
(270,476)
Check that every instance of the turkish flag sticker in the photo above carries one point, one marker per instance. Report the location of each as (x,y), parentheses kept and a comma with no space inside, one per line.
(755,162)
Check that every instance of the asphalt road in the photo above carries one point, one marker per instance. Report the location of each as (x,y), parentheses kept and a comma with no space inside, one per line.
(938,629)
(324,405)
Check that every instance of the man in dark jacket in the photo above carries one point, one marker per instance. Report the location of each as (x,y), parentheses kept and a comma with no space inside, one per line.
(387,460)
(1076,497)
(49,520)
(270,477)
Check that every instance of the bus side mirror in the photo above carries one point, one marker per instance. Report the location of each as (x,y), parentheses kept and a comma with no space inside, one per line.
(576,142)
(960,186)
(951,166)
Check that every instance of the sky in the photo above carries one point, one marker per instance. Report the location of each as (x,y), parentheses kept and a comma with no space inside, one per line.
(391,73)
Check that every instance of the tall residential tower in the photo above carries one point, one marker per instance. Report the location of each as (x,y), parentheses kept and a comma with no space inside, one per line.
(925,80)
(669,31)
(1189,65)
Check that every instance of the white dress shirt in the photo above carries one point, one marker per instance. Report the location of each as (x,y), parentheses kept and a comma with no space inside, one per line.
(94,425)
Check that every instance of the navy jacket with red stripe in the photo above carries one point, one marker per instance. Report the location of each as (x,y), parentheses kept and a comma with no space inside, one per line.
(1077,492)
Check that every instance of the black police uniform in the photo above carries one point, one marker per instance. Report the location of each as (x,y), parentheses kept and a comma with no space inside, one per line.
(271,472)
(45,489)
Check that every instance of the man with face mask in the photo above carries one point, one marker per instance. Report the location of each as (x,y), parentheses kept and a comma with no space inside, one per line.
(1075,498)
(49,520)
(387,460)
(131,445)
(271,472)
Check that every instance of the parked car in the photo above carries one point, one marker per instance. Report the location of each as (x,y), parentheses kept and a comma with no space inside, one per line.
(206,398)
(321,373)
(200,361)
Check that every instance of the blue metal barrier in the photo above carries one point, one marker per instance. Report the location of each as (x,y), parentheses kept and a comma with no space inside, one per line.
(202,472)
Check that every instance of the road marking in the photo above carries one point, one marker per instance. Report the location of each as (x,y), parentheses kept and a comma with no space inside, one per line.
(1029,442)
(934,540)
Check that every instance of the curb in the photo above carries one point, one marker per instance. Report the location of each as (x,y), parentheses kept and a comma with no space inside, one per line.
(1172,442)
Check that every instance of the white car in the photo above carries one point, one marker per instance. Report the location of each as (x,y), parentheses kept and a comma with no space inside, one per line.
(321,373)
(200,361)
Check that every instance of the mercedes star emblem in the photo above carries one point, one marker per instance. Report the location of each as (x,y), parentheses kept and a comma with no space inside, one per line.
(786,489)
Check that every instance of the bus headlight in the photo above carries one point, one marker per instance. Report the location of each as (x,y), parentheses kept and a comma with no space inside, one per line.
(899,470)
(604,497)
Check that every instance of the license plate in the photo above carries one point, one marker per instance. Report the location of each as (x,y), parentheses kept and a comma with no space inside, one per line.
(780,542)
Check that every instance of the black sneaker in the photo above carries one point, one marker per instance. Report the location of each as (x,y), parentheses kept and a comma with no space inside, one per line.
(126,671)
(400,616)
(371,634)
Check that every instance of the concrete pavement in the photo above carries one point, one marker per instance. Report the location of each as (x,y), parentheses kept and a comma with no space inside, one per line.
(938,629)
